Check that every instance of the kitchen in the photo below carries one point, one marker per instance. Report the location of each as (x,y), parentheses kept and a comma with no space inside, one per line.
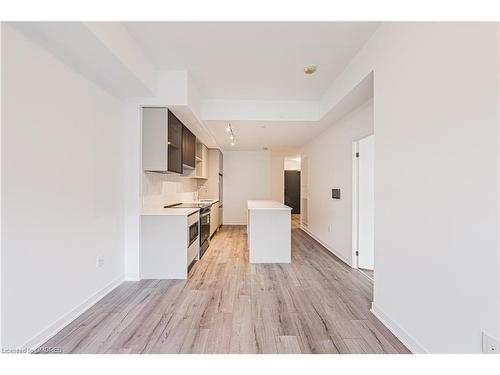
(178,224)
(178,221)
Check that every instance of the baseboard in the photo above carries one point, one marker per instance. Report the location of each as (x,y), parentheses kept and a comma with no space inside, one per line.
(333,251)
(132,277)
(235,223)
(399,332)
(67,318)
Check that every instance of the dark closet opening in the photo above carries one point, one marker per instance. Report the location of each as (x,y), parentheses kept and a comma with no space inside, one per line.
(292,190)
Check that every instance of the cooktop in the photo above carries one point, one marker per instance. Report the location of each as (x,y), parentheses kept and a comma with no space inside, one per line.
(187,205)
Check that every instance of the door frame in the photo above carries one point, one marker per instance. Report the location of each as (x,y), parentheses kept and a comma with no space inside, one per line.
(300,186)
(355,200)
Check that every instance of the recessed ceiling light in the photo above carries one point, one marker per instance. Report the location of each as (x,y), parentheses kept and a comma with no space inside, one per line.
(310,69)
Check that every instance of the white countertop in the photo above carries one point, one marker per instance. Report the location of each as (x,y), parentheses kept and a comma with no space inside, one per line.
(171,211)
(157,209)
(266,205)
(207,201)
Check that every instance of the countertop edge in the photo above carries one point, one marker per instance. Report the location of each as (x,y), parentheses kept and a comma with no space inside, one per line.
(174,212)
(266,205)
(269,208)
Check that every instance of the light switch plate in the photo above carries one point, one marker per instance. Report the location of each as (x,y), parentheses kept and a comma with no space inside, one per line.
(490,345)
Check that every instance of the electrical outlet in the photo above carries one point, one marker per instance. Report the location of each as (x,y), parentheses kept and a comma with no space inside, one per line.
(329,227)
(490,345)
(99,261)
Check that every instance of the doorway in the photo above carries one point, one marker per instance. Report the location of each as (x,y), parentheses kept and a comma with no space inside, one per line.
(292,191)
(364,205)
(291,187)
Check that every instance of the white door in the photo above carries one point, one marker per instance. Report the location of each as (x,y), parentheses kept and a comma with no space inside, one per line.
(365,203)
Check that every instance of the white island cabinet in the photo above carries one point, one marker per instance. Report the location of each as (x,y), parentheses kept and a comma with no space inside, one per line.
(269,232)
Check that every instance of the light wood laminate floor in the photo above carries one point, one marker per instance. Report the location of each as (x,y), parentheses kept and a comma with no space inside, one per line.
(316,304)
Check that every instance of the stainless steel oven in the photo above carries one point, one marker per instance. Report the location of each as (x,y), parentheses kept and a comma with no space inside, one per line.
(204,230)
(193,232)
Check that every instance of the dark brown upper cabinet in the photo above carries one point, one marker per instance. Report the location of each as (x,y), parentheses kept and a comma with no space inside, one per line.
(188,148)
(175,135)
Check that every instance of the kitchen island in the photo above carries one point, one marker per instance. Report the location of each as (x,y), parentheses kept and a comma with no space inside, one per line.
(269,231)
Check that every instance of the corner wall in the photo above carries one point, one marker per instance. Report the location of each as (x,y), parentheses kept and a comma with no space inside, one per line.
(330,166)
(436,100)
(277,177)
(247,175)
(62,192)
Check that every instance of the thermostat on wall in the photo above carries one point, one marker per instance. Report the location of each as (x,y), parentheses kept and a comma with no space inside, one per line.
(336,193)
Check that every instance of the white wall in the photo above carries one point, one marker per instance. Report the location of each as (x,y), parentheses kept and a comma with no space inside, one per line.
(436,179)
(62,202)
(247,175)
(330,166)
(159,189)
(498,272)
(1,194)
(292,165)
(277,177)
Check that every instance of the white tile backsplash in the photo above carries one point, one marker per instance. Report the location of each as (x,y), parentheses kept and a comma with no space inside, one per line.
(163,189)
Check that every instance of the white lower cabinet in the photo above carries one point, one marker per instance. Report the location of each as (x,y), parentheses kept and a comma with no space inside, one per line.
(214,218)
(165,249)
(193,251)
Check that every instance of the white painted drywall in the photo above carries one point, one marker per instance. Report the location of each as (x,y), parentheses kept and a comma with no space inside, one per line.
(103,52)
(436,179)
(118,41)
(498,271)
(257,110)
(364,179)
(330,166)
(277,177)
(1,194)
(292,164)
(159,189)
(62,187)
(247,175)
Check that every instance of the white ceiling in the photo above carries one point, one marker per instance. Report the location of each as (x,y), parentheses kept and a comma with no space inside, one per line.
(287,136)
(248,73)
(255,135)
(253,60)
